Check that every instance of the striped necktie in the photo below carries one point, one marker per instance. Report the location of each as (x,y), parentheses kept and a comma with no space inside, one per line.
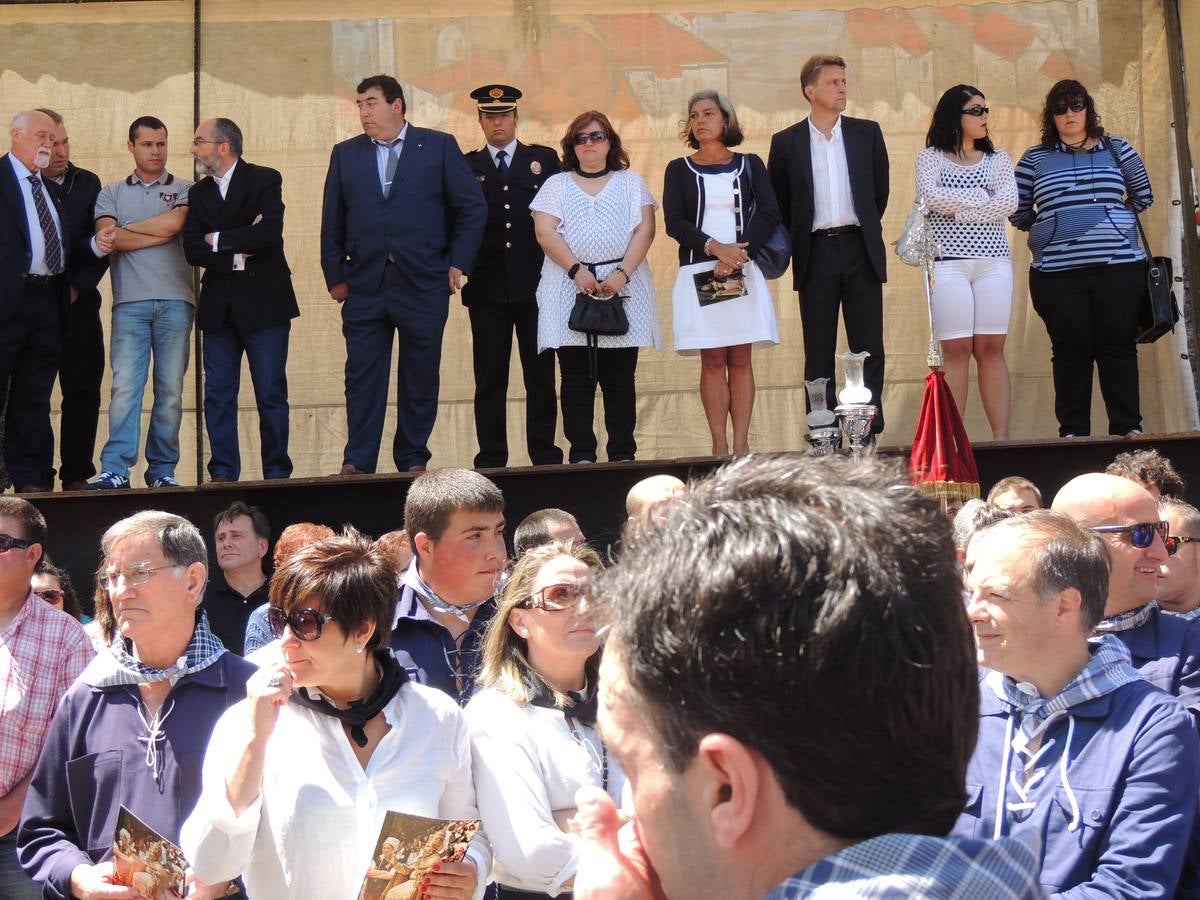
(54,254)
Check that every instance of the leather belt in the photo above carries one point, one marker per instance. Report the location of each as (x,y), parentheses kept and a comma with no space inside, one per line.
(41,279)
(834,232)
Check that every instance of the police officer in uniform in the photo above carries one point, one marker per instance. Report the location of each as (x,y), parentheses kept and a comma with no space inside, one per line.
(500,294)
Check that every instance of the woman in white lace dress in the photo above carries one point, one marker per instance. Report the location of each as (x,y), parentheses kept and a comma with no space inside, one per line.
(969,190)
(595,222)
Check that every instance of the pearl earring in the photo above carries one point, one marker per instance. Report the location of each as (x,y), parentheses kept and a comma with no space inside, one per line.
(359,650)
(524,632)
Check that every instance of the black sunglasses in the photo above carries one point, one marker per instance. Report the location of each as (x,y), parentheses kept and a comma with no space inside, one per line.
(1060,108)
(1175,541)
(595,137)
(50,595)
(976,111)
(8,542)
(306,623)
(1141,535)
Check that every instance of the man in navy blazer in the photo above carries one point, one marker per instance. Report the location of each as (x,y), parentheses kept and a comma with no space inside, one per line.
(830,174)
(36,240)
(402,221)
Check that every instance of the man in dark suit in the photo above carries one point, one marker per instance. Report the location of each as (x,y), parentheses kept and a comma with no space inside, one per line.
(500,294)
(830,174)
(234,231)
(402,221)
(81,366)
(35,249)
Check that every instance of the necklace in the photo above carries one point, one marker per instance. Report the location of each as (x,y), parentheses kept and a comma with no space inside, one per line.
(724,159)
(600,174)
(1082,145)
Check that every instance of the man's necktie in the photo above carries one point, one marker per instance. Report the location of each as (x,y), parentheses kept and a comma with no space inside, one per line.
(502,164)
(54,254)
(390,171)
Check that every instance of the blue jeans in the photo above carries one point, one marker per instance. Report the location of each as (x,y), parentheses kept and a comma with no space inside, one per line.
(14,883)
(139,328)
(267,351)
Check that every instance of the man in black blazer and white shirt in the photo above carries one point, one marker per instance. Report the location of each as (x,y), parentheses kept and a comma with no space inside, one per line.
(234,231)
(830,174)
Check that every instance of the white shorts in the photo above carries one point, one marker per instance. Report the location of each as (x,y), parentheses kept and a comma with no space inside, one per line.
(971,296)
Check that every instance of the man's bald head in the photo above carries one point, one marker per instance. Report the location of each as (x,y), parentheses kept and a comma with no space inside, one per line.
(1100,499)
(32,138)
(649,491)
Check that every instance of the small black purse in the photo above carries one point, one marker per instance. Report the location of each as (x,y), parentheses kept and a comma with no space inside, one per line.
(595,316)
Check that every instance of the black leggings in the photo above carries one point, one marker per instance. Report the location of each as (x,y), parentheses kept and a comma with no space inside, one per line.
(615,369)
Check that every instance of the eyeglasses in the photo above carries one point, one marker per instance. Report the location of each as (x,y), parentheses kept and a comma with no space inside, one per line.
(1175,541)
(1141,535)
(8,542)
(976,111)
(196,142)
(1060,108)
(555,597)
(134,576)
(51,595)
(592,137)
(306,623)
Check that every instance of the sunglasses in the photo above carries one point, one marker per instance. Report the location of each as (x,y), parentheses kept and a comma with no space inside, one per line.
(135,576)
(1175,541)
(8,542)
(306,623)
(555,597)
(591,137)
(977,111)
(51,595)
(1060,108)
(1141,535)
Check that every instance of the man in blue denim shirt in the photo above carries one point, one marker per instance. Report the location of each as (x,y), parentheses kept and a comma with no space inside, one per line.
(455,519)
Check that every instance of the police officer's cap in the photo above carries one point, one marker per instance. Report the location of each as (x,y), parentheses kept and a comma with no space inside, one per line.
(496,98)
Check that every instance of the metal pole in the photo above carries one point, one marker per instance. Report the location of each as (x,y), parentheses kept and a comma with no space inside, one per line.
(198,344)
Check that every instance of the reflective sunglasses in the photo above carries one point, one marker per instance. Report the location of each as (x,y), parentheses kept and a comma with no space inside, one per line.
(51,595)
(1175,541)
(1060,108)
(555,597)
(8,542)
(1141,535)
(306,623)
(134,576)
(977,111)
(593,137)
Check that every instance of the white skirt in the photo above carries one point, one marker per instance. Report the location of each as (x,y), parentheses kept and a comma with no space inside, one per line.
(748,319)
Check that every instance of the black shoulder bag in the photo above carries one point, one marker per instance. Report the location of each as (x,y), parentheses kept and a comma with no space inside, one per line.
(594,316)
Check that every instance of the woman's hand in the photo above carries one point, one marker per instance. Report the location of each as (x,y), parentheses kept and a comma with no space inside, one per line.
(96,883)
(450,881)
(586,281)
(614,283)
(732,255)
(724,271)
(267,690)
(610,868)
(198,890)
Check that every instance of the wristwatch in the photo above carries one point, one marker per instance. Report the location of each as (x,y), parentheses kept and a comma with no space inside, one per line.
(573,270)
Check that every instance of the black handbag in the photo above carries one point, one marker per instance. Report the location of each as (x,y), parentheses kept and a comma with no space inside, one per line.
(775,255)
(595,316)
(1157,312)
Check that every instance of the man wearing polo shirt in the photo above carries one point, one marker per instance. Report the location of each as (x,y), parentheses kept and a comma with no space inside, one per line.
(830,174)
(153,308)
(42,651)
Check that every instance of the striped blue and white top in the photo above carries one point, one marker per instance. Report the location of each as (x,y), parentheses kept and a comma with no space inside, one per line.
(1073,204)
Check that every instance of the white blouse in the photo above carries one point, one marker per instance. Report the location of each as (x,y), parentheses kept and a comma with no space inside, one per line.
(528,765)
(313,829)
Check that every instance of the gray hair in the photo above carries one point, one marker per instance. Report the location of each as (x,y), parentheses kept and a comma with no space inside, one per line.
(731,137)
(1188,513)
(227,132)
(55,117)
(180,540)
(974,515)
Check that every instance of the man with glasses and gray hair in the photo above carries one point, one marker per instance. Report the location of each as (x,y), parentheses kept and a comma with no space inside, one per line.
(133,729)
(1165,649)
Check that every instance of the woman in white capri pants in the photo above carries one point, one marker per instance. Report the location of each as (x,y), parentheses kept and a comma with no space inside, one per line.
(969,191)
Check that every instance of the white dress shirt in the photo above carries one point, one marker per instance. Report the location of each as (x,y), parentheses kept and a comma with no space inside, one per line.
(528,765)
(222,182)
(509,151)
(37,240)
(833,204)
(382,151)
(313,829)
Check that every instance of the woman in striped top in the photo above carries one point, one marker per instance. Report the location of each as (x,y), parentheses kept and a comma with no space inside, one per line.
(969,190)
(1078,192)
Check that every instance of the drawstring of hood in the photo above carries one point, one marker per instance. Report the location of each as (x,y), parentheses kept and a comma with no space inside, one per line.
(154,734)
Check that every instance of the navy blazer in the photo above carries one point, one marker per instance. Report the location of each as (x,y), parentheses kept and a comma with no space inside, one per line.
(432,219)
(261,295)
(16,250)
(790,169)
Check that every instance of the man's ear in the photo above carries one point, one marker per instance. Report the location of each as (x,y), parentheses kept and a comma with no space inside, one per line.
(423,544)
(196,575)
(1068,602)
(263,546)
(732,785)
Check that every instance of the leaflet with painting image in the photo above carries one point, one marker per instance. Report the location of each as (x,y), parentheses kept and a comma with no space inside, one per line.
(146,861)
(406,851)
(710,289)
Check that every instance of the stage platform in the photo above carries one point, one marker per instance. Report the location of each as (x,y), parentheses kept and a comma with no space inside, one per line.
(595,493)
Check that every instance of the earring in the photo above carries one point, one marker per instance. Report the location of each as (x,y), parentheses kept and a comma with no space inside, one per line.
(359,650)
(524,632)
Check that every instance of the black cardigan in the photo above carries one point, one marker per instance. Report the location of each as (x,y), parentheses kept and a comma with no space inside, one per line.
(683,207)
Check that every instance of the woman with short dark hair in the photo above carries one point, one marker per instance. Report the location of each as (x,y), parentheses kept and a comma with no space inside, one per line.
(298,777)
(1079,191)
(595,222)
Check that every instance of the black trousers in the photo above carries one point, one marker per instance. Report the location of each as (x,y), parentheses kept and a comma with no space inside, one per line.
(1091,316)
(492,328)
(29,347)
(840,274)
(615,370)
(80,371)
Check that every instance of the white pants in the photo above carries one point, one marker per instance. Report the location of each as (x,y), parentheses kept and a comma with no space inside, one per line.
(971,296)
